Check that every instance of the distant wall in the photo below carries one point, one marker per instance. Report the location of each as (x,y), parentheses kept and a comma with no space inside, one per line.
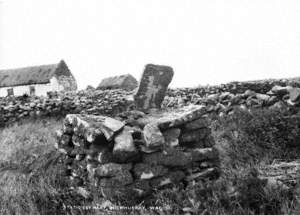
(221,99)
(108,102)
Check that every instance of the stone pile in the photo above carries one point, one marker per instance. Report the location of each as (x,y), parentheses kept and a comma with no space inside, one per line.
(135,153)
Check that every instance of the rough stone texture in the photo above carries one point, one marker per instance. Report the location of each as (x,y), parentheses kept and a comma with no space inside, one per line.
(153,86)
(92,127)
(194,135)
(178,118)
(171,137)
(98,102)
(196,124)
(153,136)
(124,147)
(294,94)
(169,158)
(130,162)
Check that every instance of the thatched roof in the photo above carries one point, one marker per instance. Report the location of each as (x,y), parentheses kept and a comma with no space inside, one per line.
(30,75)
(126,81)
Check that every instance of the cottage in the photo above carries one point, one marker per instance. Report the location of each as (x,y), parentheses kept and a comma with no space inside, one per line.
(37,80)
(125,82)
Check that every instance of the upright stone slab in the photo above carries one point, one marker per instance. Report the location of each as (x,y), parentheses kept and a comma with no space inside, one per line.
(153,86)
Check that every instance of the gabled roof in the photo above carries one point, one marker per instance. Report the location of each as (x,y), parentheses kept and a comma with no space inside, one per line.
(28,75)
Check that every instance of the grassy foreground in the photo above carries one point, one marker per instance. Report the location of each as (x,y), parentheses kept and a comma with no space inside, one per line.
(31,180)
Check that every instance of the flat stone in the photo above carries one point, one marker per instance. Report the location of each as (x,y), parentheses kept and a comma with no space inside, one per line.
(262,97)
(124,147)
(153,136)
(279,90)
(144,171)
(153,86)
(172,157)
(92,126)
(207,173)
(112,169)
(171,137)
(172,178)
(181,116)
(294,94)
(194,135)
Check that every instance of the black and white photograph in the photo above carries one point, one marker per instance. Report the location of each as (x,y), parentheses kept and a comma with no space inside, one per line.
(149,107)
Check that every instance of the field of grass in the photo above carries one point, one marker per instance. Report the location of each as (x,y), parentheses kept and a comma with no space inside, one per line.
(32,182)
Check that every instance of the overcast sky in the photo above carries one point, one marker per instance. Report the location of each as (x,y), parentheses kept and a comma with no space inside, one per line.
(205,41)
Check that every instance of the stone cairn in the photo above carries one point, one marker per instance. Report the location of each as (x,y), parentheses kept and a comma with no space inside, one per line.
(135,153)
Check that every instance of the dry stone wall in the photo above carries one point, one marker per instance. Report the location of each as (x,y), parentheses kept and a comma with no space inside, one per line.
(108,102)
(221,99)
(135,153)
(287,97)
(129,156)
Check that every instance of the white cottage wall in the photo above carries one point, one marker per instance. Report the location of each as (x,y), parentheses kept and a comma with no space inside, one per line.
(40,89)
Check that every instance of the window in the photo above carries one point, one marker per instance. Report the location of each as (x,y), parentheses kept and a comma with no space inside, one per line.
(32,90)
(10,92)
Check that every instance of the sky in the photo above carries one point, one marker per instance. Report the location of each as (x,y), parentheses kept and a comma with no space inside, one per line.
(204,41)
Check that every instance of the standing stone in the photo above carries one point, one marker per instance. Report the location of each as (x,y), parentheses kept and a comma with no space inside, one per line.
(153,86)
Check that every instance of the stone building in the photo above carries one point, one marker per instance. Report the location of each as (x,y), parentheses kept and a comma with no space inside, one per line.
(125,82)
(37,80)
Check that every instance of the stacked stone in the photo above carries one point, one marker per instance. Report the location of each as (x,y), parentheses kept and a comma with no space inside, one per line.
(287,97)
(221,99)
(97,102)
(136,153)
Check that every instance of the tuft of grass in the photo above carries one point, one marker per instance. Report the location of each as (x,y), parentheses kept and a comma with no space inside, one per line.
(256,137)
(32,175)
